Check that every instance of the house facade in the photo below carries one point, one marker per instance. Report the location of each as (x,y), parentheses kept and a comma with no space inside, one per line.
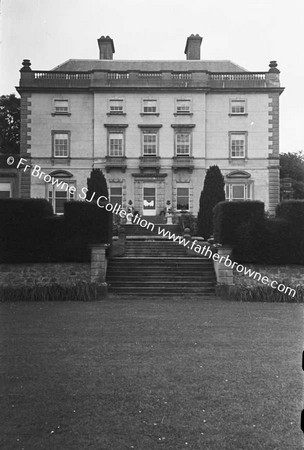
(153,127)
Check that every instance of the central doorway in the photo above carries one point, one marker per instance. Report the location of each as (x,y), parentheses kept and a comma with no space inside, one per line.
(149,199)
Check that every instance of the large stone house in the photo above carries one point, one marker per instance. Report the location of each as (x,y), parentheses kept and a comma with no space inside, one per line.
(154,127)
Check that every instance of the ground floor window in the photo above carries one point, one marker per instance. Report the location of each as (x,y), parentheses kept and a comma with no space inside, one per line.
(5,190)
(58,195)
(238,191)
(182,197)
(116,195)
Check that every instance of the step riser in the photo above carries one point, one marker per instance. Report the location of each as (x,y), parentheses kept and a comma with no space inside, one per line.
(171,265)
(162,292)
(160,267)
(160,276)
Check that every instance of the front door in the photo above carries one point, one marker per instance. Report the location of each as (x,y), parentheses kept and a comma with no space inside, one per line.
(149,199)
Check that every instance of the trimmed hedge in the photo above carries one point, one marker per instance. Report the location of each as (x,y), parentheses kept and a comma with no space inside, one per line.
(89,220)
(267,242)
(21,222)
(228,216)
(48,238)
(293,211)
(30,208)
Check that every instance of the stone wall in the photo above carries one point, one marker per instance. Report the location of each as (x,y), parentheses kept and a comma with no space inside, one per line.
(44,273)
(228,279)
(291,275)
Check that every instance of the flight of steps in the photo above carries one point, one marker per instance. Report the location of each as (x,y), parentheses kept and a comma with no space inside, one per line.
(154,266)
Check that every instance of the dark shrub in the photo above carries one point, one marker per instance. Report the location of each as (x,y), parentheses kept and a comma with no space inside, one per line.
(212,193)
(187,220)
(246,247)
(265,242)
(93,223)
(45,238)
(228,216)
(20,223)
(97,185)
(27,208)
(293,212)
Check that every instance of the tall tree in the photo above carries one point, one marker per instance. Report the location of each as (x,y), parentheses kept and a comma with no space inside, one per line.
(212,193)
(9,124)
(292,166)
(97,185)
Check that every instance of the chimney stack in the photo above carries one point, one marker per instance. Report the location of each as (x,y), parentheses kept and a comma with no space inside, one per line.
(106,47)
(193,47)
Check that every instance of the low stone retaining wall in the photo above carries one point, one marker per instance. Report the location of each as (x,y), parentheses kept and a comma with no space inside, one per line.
(28,274)
(291,275)
(228,279)
(66,274)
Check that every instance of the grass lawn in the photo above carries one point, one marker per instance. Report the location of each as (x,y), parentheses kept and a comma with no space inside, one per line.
(151,374)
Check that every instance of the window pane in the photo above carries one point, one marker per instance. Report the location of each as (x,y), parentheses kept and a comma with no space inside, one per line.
(237,146)
(116,105)
(182,198)
(149,198)
(150,143)
(116,144)
(182,143)
(238,106)
(61,105)
(60,198)
(238,192)
(150,106)
(116,190)
(57,197)
(5,194)
(116,195)
(182,105)
(61,145)
(5,190)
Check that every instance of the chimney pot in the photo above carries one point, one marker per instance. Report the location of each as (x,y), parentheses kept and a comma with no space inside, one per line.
(193,47)
(106,47)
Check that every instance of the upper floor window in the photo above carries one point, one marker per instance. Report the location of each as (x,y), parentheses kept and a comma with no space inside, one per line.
(61,106)
(61,144)
(183,143)
(238,144)
(149,142)
(149,106)
(116,144)
(116,106)
(237,107)
(183,106)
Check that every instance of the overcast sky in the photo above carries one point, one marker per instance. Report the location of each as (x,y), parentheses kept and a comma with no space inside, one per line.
(249,33)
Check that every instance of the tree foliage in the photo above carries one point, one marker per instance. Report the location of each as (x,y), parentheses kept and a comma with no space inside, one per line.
(212,193)
(9,124)
(97,184)
(292,166)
